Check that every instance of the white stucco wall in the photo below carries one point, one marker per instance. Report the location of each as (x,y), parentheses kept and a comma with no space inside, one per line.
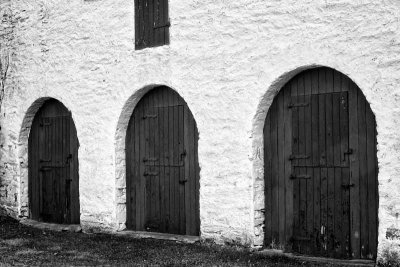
(227,59)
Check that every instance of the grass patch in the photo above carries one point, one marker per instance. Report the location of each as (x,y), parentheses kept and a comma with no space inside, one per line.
(22,245)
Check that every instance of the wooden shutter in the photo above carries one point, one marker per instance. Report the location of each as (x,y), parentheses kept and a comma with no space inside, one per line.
(151,23)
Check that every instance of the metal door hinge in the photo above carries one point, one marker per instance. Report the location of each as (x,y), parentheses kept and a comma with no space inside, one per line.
(292,157)
(183,181)
(166,25)
(150,173)
(150,159)
(293,177)
(348,186)
(149,116)
(298,105)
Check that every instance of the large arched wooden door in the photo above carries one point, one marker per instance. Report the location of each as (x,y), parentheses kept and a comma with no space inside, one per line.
(321,168)
(162,171)
(53,166)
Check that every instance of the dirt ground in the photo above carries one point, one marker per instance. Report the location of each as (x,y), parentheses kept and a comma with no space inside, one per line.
(25,246)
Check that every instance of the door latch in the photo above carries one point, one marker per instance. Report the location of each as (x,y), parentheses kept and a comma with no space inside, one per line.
(69,158)
(183,181)
(348,152)
(348,186)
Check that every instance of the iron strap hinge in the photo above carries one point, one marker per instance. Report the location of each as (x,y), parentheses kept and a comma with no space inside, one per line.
(292,157)
(150,173)
(149,116)
(183,181)
(166,25)
(348,186)
(293,177)
(298,105)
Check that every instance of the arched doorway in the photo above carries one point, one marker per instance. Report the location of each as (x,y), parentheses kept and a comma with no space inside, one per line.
(53,166)
(162,171)
(321,168)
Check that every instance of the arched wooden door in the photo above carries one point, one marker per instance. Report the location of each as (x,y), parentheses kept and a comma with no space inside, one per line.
(53,166)
(321,168)
(162,171)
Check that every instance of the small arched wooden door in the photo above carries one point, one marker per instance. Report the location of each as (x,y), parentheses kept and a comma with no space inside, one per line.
(162,171)
(53,166)
(321,168)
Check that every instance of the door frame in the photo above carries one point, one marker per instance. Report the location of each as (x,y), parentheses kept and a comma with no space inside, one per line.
(22,152)
(258,138)
(120,156)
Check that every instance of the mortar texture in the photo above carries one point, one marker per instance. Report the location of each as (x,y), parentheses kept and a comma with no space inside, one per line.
(227,59)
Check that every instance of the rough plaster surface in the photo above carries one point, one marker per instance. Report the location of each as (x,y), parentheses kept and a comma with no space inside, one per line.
(227,59)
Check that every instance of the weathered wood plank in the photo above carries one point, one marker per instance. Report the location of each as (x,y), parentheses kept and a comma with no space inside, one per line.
(337,241)
(166,20)
(274,173)
(346,248)
(372,183)
(295,151)
(331,212)
(181,138)
(268,180)
(197,179)
(281,165)
(287,163)
(354,172)
(363,176)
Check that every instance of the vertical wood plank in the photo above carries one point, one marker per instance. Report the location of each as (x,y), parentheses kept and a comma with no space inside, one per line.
(135,179)
(137,24)
(274,173)
(354,172)
(281,165)
(268,179)
(346,251)
(324,186)
(150,22)
(197,178)
(317,210)
(309,171)
(287,164)
(336,129)
(187,170)
(322,130)
(162,21)
(329,80)
(372,182)
(337,81)
(331,211)
(166,18)
(159,34)
(329,129)
(302,171)
(192,183)
(295,151)
(322,81)
(181,137)
(363,175)
(338,219)
(142,179)
(162,137)
(166,150)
